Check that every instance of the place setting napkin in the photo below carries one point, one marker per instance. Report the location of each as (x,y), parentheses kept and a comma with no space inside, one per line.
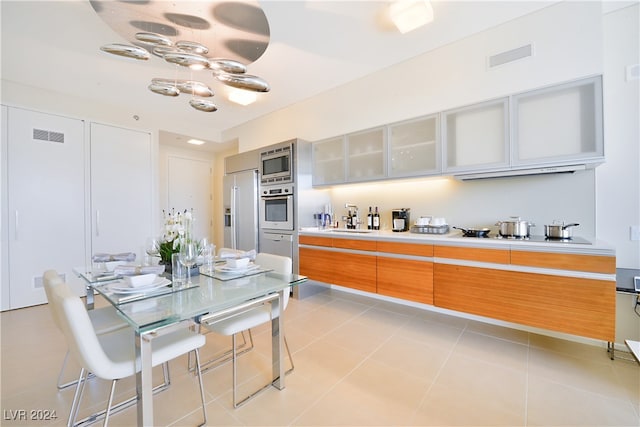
(103,257)
(231,253)
(134,270)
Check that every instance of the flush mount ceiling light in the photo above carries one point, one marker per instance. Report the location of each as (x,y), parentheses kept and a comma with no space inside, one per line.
(182,33)
(242,97)
(195,142)
(407,15)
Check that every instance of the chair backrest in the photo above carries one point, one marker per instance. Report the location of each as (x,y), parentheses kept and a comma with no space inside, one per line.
(279,264)
(78,331)
(51,279)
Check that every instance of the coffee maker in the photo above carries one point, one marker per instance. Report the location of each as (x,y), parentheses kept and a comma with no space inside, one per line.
(400,219)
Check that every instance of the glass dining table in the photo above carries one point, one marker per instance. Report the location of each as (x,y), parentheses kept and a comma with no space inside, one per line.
(164,309)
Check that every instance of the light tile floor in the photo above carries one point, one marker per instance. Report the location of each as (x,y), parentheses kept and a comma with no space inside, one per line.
(359,362)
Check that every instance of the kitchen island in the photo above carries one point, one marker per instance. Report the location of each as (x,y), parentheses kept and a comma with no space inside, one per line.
(559,286)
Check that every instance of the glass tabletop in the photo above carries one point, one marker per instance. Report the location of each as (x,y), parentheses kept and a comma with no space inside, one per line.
(205,295)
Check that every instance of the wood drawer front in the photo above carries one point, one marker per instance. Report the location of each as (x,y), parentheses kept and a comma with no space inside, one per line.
(496,256)
(316,264)
(406,279)
(583,307)
(359,245)
(354,271)
(590,263)
(406,248)
(316,241)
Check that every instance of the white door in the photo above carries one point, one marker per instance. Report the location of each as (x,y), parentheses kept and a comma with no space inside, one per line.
(46,201)
(190,188)
(121,190)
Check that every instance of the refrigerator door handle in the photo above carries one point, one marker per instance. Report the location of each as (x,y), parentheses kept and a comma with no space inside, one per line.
(233,217)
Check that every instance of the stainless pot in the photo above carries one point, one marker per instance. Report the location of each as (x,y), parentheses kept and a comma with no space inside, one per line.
(515,227)
(559,230)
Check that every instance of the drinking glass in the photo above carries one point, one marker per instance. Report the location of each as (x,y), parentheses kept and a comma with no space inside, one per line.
(208,257)
(152,249)
(188,257)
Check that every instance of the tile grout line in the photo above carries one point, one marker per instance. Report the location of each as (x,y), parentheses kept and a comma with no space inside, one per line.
(435,378)
(348,373)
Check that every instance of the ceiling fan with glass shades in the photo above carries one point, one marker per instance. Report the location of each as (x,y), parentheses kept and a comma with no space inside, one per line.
(238,33)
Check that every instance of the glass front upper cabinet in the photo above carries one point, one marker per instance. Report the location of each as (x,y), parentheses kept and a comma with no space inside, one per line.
(328,161)
(476,137)
(414,147)
(559,123)
(366,155)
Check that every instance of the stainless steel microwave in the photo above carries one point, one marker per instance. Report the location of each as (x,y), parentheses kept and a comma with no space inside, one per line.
(276,165)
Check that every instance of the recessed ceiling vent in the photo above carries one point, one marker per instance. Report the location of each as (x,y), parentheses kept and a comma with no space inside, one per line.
(46,135)
(511,55)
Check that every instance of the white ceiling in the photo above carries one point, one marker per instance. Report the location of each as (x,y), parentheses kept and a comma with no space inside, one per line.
(313,46)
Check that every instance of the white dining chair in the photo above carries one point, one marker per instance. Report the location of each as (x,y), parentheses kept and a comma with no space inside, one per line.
(231,326)
(111,356)
(104,320)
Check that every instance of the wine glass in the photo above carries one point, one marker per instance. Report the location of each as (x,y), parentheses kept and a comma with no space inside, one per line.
(188,257)
(152,249)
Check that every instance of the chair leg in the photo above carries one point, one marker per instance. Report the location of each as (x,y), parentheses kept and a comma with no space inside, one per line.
(234,368)
(77,397)
(224,356)
(64,365)
(61,375)
(114,409)
(108,410)
(199,372)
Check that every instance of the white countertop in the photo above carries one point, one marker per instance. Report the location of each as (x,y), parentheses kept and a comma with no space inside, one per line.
(455,238)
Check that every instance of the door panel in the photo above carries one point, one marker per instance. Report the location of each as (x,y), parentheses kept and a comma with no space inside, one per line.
(121,189)
(190,188)
(46,201)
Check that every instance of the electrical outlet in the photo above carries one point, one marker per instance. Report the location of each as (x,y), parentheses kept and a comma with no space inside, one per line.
(634,232)
(636,283)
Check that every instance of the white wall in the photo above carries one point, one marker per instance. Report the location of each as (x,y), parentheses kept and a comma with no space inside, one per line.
(618,180)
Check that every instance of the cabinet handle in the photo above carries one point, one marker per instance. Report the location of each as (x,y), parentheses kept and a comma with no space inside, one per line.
(97,223)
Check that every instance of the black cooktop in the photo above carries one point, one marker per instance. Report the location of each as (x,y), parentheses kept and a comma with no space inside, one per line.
(573,240)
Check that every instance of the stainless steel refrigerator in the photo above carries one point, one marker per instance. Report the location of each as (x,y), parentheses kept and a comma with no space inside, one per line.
(240,201)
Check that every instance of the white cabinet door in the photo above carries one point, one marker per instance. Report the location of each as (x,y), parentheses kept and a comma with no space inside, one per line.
(414,147)
(476,137)
(121,190)
(559,124)
(328,161)
(366,155)
(46,201)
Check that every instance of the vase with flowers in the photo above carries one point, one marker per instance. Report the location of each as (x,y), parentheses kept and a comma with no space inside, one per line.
(178,228)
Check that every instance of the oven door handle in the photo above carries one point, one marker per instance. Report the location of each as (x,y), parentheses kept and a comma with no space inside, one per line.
(278,197)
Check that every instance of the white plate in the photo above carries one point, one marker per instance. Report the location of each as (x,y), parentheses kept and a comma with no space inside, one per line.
(121,288)
(227,269)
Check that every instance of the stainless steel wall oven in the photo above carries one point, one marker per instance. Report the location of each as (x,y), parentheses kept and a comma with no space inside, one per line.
(276,207)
